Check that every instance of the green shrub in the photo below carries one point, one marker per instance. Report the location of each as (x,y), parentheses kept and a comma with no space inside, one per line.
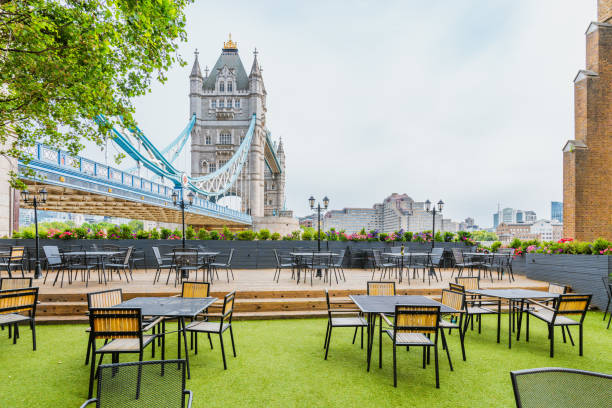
(495,246)
(600,244)
(190,232)
(583,248)
(43,234)
(177,232)
(438,237)
(383,236)
(125,232)
(263,234)
(214,235)
(81,232)
(113,233)
(449,236)
(307,235)
(332,235)
(516,243)
(142,234)
(408,235)
(295,235)
(275,236)
(227,234)
(28,234)
(165,233)
(246,235)
(16,235)
(154,233)
(203,234)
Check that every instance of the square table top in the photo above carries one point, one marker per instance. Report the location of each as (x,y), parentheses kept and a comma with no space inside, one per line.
(514,293)
(312,253)
(168,306)
(199,253)
(386,304)
(398,254)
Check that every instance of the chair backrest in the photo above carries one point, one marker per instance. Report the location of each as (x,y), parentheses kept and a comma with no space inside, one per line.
(195,289)
(376,288)
(128,255)
(228,307)
(572,304)
(109,323)
(17,253)
(453,299)
(18,301)
(158,257)
(52,254)
(105,298)
(608,285)
(561,387)
(141,384)
(458,255)
(468,282)
(376,254)
(340,257)
(436,255)
(456,287)
(276,257)
(416,319)
(556,288)
(15,283)
(229,258)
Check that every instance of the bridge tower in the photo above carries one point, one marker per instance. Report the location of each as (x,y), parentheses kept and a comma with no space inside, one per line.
(224,100)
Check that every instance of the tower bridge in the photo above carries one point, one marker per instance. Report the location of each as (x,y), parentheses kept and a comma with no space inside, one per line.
(231,149)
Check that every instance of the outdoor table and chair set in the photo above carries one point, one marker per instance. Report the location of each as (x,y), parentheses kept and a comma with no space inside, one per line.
(418,321)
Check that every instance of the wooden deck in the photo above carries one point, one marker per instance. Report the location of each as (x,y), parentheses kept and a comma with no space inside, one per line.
(257,295)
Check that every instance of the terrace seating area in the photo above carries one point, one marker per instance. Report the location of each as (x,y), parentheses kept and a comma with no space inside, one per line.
(420,316)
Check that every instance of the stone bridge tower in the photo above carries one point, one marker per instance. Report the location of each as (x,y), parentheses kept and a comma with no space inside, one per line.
(587,160)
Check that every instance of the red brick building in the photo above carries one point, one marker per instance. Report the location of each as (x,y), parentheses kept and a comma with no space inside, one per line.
(587,160)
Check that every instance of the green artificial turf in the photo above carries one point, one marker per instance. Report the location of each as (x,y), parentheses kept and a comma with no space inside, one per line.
(280,364)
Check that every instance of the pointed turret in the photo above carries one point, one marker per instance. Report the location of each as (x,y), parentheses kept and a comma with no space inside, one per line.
(255,68)
(195,70)
(280,148)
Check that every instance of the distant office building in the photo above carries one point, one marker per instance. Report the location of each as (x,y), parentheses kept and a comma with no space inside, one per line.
(530,216)
(495,220)
(506,232)
(308,221)
(468,225)
(556,211)
(513,216)
(547,230)
(520,216)
(396,212)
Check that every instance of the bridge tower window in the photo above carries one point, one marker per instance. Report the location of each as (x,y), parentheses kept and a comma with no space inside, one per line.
(213,104)
(225,138)
(207,140)
(221,103)
(230,86)
(237,103)
(212,167)
(221,86)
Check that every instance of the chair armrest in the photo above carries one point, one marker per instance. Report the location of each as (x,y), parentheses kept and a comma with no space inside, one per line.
(190,400)
(384,317)
(89,401)
(542,305)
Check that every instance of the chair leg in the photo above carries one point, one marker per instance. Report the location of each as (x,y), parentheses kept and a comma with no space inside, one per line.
(445,346)
(92,373)
(580,338)
(222,351)
(394,367)
(328,341)
(232,338)
(355,335)
(551,330)
(569,334)
(436,365)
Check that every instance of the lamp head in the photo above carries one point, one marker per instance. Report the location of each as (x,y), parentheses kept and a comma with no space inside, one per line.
(326,202)
(311,201)
(440,205)
(24,195)
(174,197)
(427,205)
(43,195)
(190,197)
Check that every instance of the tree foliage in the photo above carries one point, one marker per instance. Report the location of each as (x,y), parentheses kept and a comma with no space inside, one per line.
(62,62)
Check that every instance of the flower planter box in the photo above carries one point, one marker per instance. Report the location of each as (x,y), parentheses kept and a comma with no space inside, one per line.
(519,265)
(582,272)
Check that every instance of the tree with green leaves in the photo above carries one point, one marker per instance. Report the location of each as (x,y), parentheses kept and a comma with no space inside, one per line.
(63,62)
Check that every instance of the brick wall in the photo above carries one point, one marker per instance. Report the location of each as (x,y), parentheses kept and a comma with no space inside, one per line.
(587,173)
(604,10)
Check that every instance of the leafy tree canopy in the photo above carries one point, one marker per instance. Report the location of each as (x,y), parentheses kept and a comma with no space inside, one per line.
(62,62)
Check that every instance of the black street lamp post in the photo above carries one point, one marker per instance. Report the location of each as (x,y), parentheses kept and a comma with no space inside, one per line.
(434,211)
(311,201)
(182,204)
(35,200)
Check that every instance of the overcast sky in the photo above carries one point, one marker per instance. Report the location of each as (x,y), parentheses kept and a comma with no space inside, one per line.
(465,101)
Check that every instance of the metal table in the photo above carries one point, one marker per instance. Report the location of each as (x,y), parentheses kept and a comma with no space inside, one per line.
(374,305)
(101,255)
(514,296)
(202,254)
(172,307)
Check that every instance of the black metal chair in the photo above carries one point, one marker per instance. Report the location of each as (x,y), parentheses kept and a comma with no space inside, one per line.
(14,305)
(14,261)
(556,316)
(55,262)
(122,264)
(142,384)
(162,263)
(280,266)
(435,258)
(224,323)
(456,300)
(337,262)
(477,306)
(227,265)
(383,267)
(341,317)
(553,387)
(461,263)
(185,261)
(123,327)
(608,287)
